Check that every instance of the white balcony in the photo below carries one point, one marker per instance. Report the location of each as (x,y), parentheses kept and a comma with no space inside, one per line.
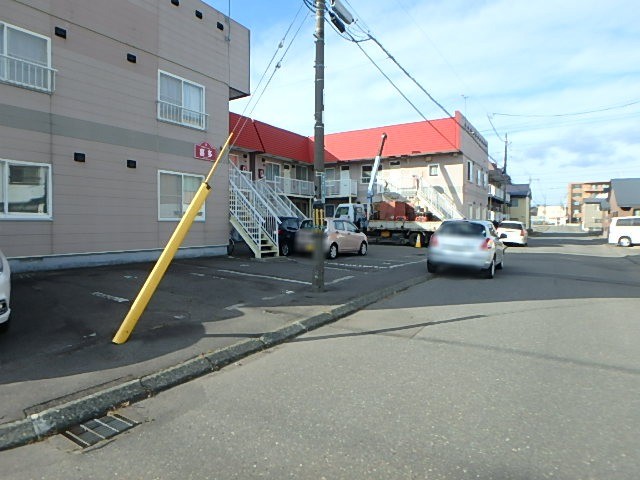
(169,112)
(341,188)
(294,187)
(25,74)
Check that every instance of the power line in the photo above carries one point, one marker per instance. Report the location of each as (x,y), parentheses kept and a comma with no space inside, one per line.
(586,112)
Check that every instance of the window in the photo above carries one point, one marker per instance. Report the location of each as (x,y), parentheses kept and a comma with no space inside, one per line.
(25,59)
(636,212)
(25,190)
(366,174)
(272,171)
(434,170)
(469,171)
(181,101)
(514,202)
(302,172)
(175,193)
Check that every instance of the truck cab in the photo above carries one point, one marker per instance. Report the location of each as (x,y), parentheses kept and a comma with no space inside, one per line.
(354,212)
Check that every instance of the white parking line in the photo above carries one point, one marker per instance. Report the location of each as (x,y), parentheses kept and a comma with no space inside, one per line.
(255,275)
(110,297)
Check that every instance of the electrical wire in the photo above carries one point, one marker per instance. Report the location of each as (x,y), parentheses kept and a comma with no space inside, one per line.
(244,119)
(574,114)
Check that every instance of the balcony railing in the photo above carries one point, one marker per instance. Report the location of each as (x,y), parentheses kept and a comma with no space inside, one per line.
(294,187)
(341,188)
(25,74)
(172,113)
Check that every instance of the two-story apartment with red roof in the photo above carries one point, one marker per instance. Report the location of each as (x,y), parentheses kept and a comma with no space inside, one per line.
(448,155)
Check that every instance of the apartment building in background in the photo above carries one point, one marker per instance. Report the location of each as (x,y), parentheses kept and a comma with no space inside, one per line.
(109,116)
(578,192)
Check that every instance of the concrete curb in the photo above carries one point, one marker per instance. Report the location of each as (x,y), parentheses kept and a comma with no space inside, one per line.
(54,420)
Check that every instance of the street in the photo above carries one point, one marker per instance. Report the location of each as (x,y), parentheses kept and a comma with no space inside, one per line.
(532,375)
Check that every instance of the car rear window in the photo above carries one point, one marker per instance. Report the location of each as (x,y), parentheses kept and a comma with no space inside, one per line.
(515,226)
(464,229)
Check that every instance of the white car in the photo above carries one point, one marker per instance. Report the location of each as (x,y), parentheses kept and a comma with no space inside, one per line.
(472,244)
(5,292)
(625,231)
(515,231)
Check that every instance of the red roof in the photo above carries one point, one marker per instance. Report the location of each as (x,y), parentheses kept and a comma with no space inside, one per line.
(283,143)
(245,133)
(435,136)
(417,138)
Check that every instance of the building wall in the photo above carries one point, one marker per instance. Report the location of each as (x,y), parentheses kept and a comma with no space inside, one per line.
(591,217)
(520,210)
(577,193)
(105,107)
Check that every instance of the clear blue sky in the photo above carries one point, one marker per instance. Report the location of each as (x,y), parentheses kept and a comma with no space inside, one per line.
(560,78)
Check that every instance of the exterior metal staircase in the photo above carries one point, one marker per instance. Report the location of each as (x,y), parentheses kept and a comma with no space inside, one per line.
(254,211)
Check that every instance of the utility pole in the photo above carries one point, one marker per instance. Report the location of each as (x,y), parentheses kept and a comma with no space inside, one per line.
(504,184)
(318,161)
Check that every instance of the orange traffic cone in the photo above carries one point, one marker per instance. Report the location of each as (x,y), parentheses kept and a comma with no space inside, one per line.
(419,241)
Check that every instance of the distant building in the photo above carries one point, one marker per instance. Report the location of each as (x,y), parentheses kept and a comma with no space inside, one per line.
(550,215)
(593,213)
(520,209)
(578,192)
(624,199)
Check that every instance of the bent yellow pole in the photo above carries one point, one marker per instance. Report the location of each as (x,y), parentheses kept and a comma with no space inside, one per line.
(160,268)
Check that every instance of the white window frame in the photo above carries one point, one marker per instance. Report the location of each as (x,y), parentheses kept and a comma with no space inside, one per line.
(434,168)
(34,67)
(182,175)
(366,179)
(181,107)
(5,215)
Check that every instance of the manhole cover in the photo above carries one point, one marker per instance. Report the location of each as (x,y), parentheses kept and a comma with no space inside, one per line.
(89,433)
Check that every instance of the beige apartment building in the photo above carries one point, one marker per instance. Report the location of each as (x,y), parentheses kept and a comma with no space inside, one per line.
(104,107)
(578,193)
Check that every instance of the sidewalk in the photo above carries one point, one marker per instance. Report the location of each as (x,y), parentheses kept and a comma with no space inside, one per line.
(58,366)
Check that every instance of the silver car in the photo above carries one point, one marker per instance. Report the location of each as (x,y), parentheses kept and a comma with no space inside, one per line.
(339,236)
(473,244)
(5,292)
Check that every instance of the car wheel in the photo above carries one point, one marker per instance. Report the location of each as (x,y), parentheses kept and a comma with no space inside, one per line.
(5,326)
(500,266)
(624,242)
(491,270)
(285,249)
(363,249)
(333,251)
(432,267)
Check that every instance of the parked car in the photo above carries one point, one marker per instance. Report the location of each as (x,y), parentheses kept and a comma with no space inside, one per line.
(287,230)
(5,292)
(472,244)
(516,232)
(339,236)
(625,231)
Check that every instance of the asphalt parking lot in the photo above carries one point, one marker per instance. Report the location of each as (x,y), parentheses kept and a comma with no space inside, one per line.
(59,345)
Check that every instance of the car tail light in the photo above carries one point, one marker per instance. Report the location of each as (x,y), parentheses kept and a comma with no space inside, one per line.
(433,242)
(487,244)
(522,233)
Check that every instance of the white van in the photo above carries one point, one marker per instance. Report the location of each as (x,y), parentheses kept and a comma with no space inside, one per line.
(625,231)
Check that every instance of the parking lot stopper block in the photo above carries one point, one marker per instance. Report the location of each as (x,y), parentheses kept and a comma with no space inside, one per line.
(54,420)
(16,433)
(176,375)
(282,334)
(233,353)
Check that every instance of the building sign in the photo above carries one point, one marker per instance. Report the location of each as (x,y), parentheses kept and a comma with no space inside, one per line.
(204,151)
(474,133)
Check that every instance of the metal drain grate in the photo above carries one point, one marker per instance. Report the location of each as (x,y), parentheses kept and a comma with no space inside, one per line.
(89,433)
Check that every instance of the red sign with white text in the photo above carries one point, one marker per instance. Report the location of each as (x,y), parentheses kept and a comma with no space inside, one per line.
(204,151)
